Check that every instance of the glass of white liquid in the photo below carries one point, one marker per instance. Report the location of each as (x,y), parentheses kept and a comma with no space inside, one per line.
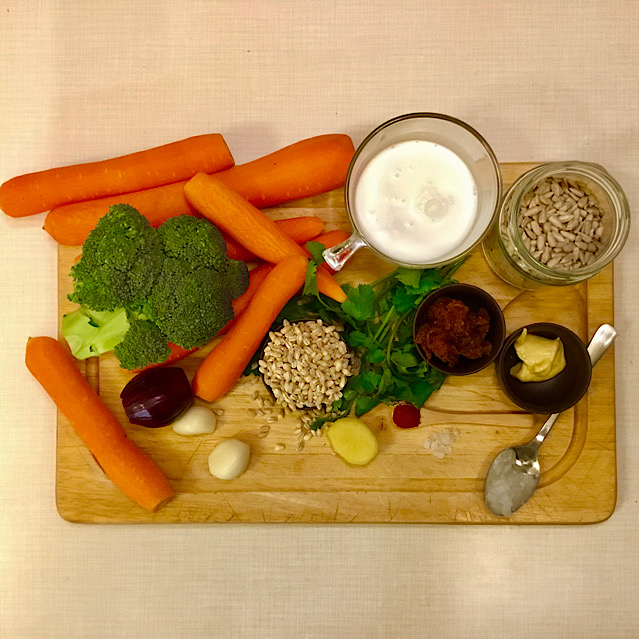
(422,191)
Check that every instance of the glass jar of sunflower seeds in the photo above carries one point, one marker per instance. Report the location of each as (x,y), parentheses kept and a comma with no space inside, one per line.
(559,224)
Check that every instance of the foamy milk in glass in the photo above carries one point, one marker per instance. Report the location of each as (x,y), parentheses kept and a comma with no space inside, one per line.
(415,202)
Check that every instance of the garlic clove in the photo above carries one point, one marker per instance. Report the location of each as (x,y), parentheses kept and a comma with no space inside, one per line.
(229,459)
(196,420)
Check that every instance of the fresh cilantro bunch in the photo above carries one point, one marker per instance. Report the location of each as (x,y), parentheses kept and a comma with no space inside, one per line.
(377,325)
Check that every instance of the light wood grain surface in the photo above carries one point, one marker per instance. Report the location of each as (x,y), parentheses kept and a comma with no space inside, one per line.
(405,483)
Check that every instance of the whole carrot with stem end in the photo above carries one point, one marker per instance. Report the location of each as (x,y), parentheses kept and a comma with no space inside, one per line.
(224,365)
(44,190)
(126,465)
(70,225)
(308,167)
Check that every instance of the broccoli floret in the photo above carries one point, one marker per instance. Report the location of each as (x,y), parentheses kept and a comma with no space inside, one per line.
(91,333)
(237,278)
(190,305)
(143,344)
(121,258)
(194,240)
(176,283)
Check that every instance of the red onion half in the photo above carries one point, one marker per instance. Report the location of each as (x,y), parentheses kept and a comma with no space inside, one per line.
(156,397)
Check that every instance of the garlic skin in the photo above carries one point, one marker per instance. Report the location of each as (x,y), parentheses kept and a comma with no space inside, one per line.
(196,420)
(229,459)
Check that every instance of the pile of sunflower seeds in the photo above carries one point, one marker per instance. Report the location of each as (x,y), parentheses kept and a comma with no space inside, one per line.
(561,224)
(306,364)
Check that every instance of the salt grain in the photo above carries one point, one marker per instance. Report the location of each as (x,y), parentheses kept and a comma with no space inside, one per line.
(440,444)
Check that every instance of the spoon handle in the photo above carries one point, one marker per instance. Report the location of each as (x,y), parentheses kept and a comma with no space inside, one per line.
(545,429)
(604,336)
(601,341)
(526,455)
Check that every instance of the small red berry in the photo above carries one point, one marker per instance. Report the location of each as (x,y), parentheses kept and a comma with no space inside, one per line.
(406,416)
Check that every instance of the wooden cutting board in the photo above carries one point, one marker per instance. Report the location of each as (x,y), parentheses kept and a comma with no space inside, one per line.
(407,482)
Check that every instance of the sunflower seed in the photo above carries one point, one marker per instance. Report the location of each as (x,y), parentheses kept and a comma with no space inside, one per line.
(561,223)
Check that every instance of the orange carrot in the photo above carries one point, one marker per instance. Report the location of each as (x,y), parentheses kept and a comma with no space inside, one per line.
(256,277)
(69,225)
(315,165)
(239,219)
(330,238)
(327,284)
(224,365)
(128,467)
(308,167)
(37,192)
(236,251)
(240,304)
(301,229)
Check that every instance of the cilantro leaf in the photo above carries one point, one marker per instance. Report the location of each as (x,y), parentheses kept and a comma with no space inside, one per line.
(310,283)
(317,252)
(375,355)
(360,302)
(405,299)
(364,403)
(409,276)
(404,360)
(357,339)
(367,381)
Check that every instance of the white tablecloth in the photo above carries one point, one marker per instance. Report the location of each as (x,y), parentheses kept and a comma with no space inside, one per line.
(87,80)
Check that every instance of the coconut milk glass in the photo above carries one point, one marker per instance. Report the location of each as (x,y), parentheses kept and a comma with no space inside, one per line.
(415,202)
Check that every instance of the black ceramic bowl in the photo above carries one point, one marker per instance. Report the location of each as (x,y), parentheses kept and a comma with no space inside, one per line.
(556,394)
(474,298)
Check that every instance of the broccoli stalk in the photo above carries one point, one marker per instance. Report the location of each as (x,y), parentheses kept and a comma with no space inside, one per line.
(90,333)
(171,284)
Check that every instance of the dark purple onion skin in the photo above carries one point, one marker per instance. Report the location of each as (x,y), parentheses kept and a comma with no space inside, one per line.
(156,397)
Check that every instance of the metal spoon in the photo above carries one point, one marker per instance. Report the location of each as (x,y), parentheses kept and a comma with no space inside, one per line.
(514,474)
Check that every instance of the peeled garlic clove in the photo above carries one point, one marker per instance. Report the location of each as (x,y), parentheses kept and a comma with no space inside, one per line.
(229,459)
(196,420)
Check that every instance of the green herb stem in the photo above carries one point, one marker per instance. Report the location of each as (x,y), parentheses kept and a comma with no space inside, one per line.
(384,324)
